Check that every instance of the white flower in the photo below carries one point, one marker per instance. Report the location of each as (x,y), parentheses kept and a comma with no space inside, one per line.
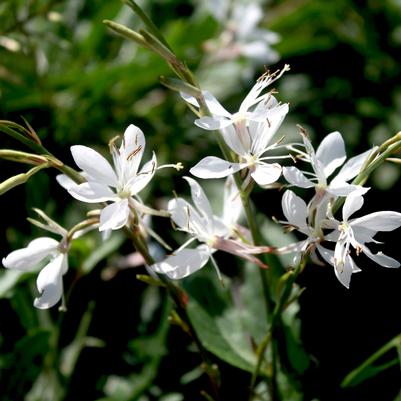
(248,133)
(356,233)
(252,42)
(297,213)
(329,156)
(213,232)
(49,281)
(241,36)
(118,185)
(198,221)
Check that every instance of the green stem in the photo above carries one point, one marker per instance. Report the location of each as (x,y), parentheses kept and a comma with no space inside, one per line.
(177,296)
(260,353)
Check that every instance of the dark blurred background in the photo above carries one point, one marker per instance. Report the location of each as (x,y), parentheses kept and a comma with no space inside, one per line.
(75,82)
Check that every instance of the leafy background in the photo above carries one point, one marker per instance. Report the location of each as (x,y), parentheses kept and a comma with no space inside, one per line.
(77,83)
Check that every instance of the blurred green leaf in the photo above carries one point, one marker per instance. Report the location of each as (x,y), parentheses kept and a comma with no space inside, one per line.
(102,251)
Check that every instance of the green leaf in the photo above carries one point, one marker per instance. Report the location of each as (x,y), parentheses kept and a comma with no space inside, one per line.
(370,367)
(224,318)
(8,279)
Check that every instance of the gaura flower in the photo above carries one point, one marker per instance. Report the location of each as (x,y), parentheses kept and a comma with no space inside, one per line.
(119,184)
(356,233)
(329,156)
(248,133)
(213,233)
(298,217)
(49,281)
(241,36)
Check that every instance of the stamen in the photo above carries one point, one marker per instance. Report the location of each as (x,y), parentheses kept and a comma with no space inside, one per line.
(134,152)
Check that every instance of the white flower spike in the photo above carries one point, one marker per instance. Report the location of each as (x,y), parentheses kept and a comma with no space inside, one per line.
(118,185)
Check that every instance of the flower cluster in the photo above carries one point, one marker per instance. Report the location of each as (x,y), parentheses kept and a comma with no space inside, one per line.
(316,219)
(249,135)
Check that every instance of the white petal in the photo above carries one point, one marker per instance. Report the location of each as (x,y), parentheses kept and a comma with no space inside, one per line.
(65,181)
(214,167)
(345,189)
(144,176)
(232,138)
(378,221)
(131,150)
(50,282)
(265,174)
(92,192)
(200,200)
(294,209)
(381,259)
(114,216)
(183,263)
(94,164)
(326,254)
(134,139)
(352,167)
(331,152)
(344,271)
(212,123)
(25,259)
(273,119)
(296,177)
(352,204)
(189,99)
(187,218)
(232,206)
(214,106)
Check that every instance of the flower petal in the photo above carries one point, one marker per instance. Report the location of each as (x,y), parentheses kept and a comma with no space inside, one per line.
(25,259)
(187,218)
(131,151)
(65,181)
(295,177)
(352,167)
(294,209)
(379,221)
(344,271)
(352,204)
(144,176)
(212,123)
(326,254)
(232,206)
(183,263)
(94,164)
(114,216)
(189,99)
(331,152)
(92,192)
(50,282)
(345,189)
(214,105)
(381,259)
(265,174)
(200,200)
(237,138)
(214,167)
(273,118)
